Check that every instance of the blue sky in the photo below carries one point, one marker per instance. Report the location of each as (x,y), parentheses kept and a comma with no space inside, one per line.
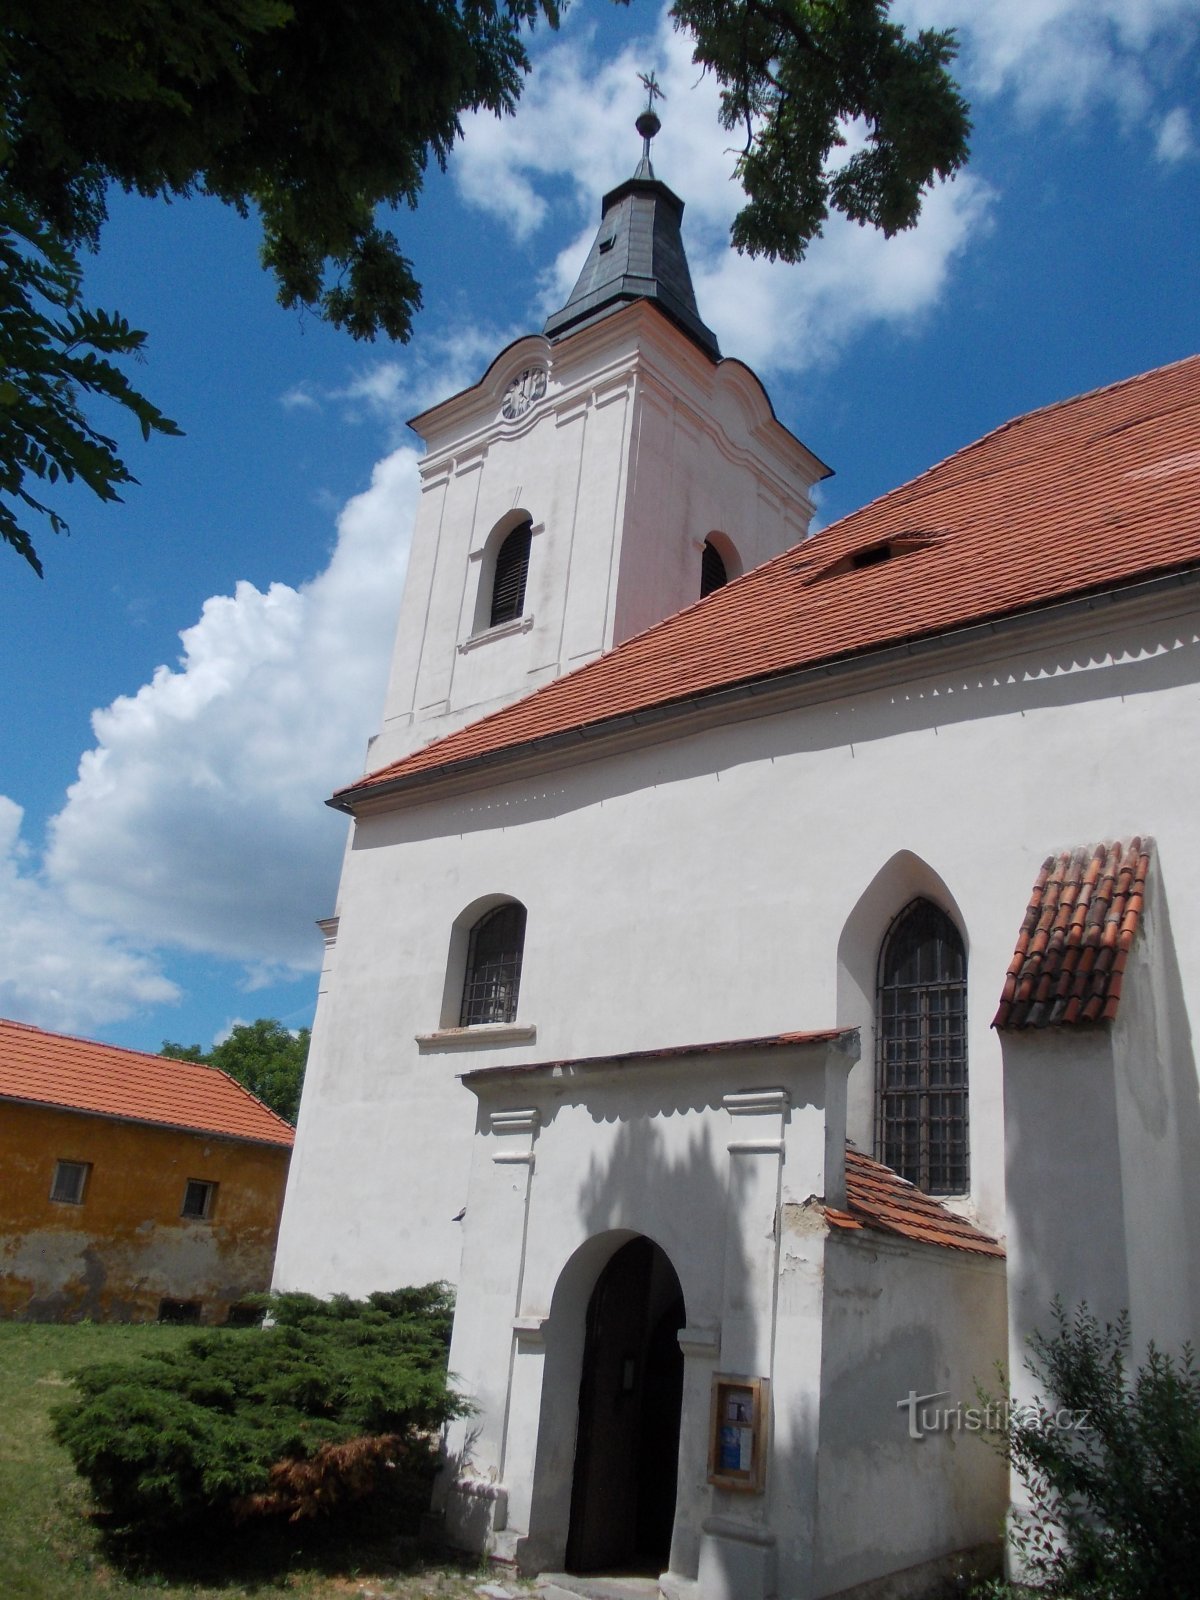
(203,664)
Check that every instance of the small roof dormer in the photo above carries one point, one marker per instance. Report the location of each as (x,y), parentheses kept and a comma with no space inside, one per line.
(637,254)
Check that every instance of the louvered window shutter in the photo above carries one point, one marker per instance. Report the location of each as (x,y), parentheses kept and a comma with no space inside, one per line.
(512,568)
(712,570)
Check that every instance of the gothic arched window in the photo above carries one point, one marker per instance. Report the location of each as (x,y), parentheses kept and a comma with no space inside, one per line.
(493,976)
(921,1033)
(512,569)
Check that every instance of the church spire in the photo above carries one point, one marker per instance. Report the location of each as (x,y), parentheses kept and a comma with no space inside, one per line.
(637,253)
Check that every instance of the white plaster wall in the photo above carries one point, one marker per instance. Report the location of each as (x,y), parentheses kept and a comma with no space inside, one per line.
(695,1154)
(639,449)
(1066,1200)
(1103,1131)
(902,1318)
(1158,1118)
(699,888)
(716,1159)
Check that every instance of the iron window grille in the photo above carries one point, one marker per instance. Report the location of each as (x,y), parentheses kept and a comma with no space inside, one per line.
(70,1180)
(494,966)
(921,1051)
(712,570)
(512,569)
(198,1197)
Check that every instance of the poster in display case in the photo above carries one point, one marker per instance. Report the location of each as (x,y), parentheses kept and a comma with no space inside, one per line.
(737,1444)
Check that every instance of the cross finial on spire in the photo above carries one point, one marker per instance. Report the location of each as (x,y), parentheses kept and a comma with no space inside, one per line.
(653,92)
(648,124)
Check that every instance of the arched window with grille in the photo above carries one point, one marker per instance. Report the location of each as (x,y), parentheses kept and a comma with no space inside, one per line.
(921,1034)
(512,570)
(493,976)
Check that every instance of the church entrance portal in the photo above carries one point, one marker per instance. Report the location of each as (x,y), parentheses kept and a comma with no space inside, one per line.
(630,1394)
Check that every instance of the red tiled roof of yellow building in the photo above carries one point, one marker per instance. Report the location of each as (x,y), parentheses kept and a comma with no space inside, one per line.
(878,1198)
(1078,498)
(1081,920)
(55,1069)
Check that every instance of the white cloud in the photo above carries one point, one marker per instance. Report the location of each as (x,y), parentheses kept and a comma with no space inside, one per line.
(197,820)
(1175,141)
(1072,56)
(777,318)
(574,127)
(58,968)
(572,139)
(397,387)
(299,398)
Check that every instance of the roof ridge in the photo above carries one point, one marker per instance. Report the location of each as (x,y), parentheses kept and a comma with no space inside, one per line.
(79,1038)
(221,1073)
(148,1055)
(1008,425)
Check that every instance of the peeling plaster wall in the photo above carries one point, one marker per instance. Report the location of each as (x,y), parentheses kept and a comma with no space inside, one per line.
(924,1480)
(126,1248)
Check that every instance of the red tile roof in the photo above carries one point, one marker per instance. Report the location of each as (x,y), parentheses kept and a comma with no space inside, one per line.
(1075,499)
(54,1069)
(878,1198)
(1082,917)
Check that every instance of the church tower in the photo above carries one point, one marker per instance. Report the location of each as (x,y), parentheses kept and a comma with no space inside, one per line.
(601,475)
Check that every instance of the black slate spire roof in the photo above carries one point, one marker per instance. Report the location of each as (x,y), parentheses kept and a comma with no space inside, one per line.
(637,254)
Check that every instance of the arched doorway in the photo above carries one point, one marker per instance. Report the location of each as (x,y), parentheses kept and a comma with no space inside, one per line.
(630,1395)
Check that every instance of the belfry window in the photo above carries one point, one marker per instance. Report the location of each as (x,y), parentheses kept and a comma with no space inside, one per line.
(921,1057)
(493,977)
(512,569)
(713,573)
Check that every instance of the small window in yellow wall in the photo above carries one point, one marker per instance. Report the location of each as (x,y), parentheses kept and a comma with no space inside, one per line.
(198,1198)
(70,1180)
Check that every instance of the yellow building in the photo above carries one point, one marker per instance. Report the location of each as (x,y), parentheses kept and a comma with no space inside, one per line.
(131,1187)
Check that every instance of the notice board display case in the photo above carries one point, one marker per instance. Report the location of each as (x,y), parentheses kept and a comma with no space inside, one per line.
(737,1432)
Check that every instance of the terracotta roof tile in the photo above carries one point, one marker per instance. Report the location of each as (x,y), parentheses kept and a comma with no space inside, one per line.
(54,1069)
(878,1198)
(1071,951)
(1072,500)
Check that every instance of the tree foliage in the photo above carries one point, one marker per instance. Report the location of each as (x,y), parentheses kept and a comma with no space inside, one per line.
(804,80)
(299,1418)
(54,351)
(1114,1500)
(312,113)
(318,115)
(263,1056)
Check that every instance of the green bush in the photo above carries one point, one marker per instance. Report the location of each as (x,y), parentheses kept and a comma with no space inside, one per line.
(310,1412)
(1114,1501)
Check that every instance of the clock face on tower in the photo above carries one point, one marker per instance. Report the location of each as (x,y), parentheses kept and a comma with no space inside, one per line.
(521,393)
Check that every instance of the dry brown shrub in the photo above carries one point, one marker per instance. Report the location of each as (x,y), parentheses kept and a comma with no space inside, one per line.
(334,1473)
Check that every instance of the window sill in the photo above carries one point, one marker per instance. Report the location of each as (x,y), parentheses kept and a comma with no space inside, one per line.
(480,1037)
(520,624)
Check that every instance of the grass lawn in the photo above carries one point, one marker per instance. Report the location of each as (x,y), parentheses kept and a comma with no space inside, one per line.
(49,1550)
